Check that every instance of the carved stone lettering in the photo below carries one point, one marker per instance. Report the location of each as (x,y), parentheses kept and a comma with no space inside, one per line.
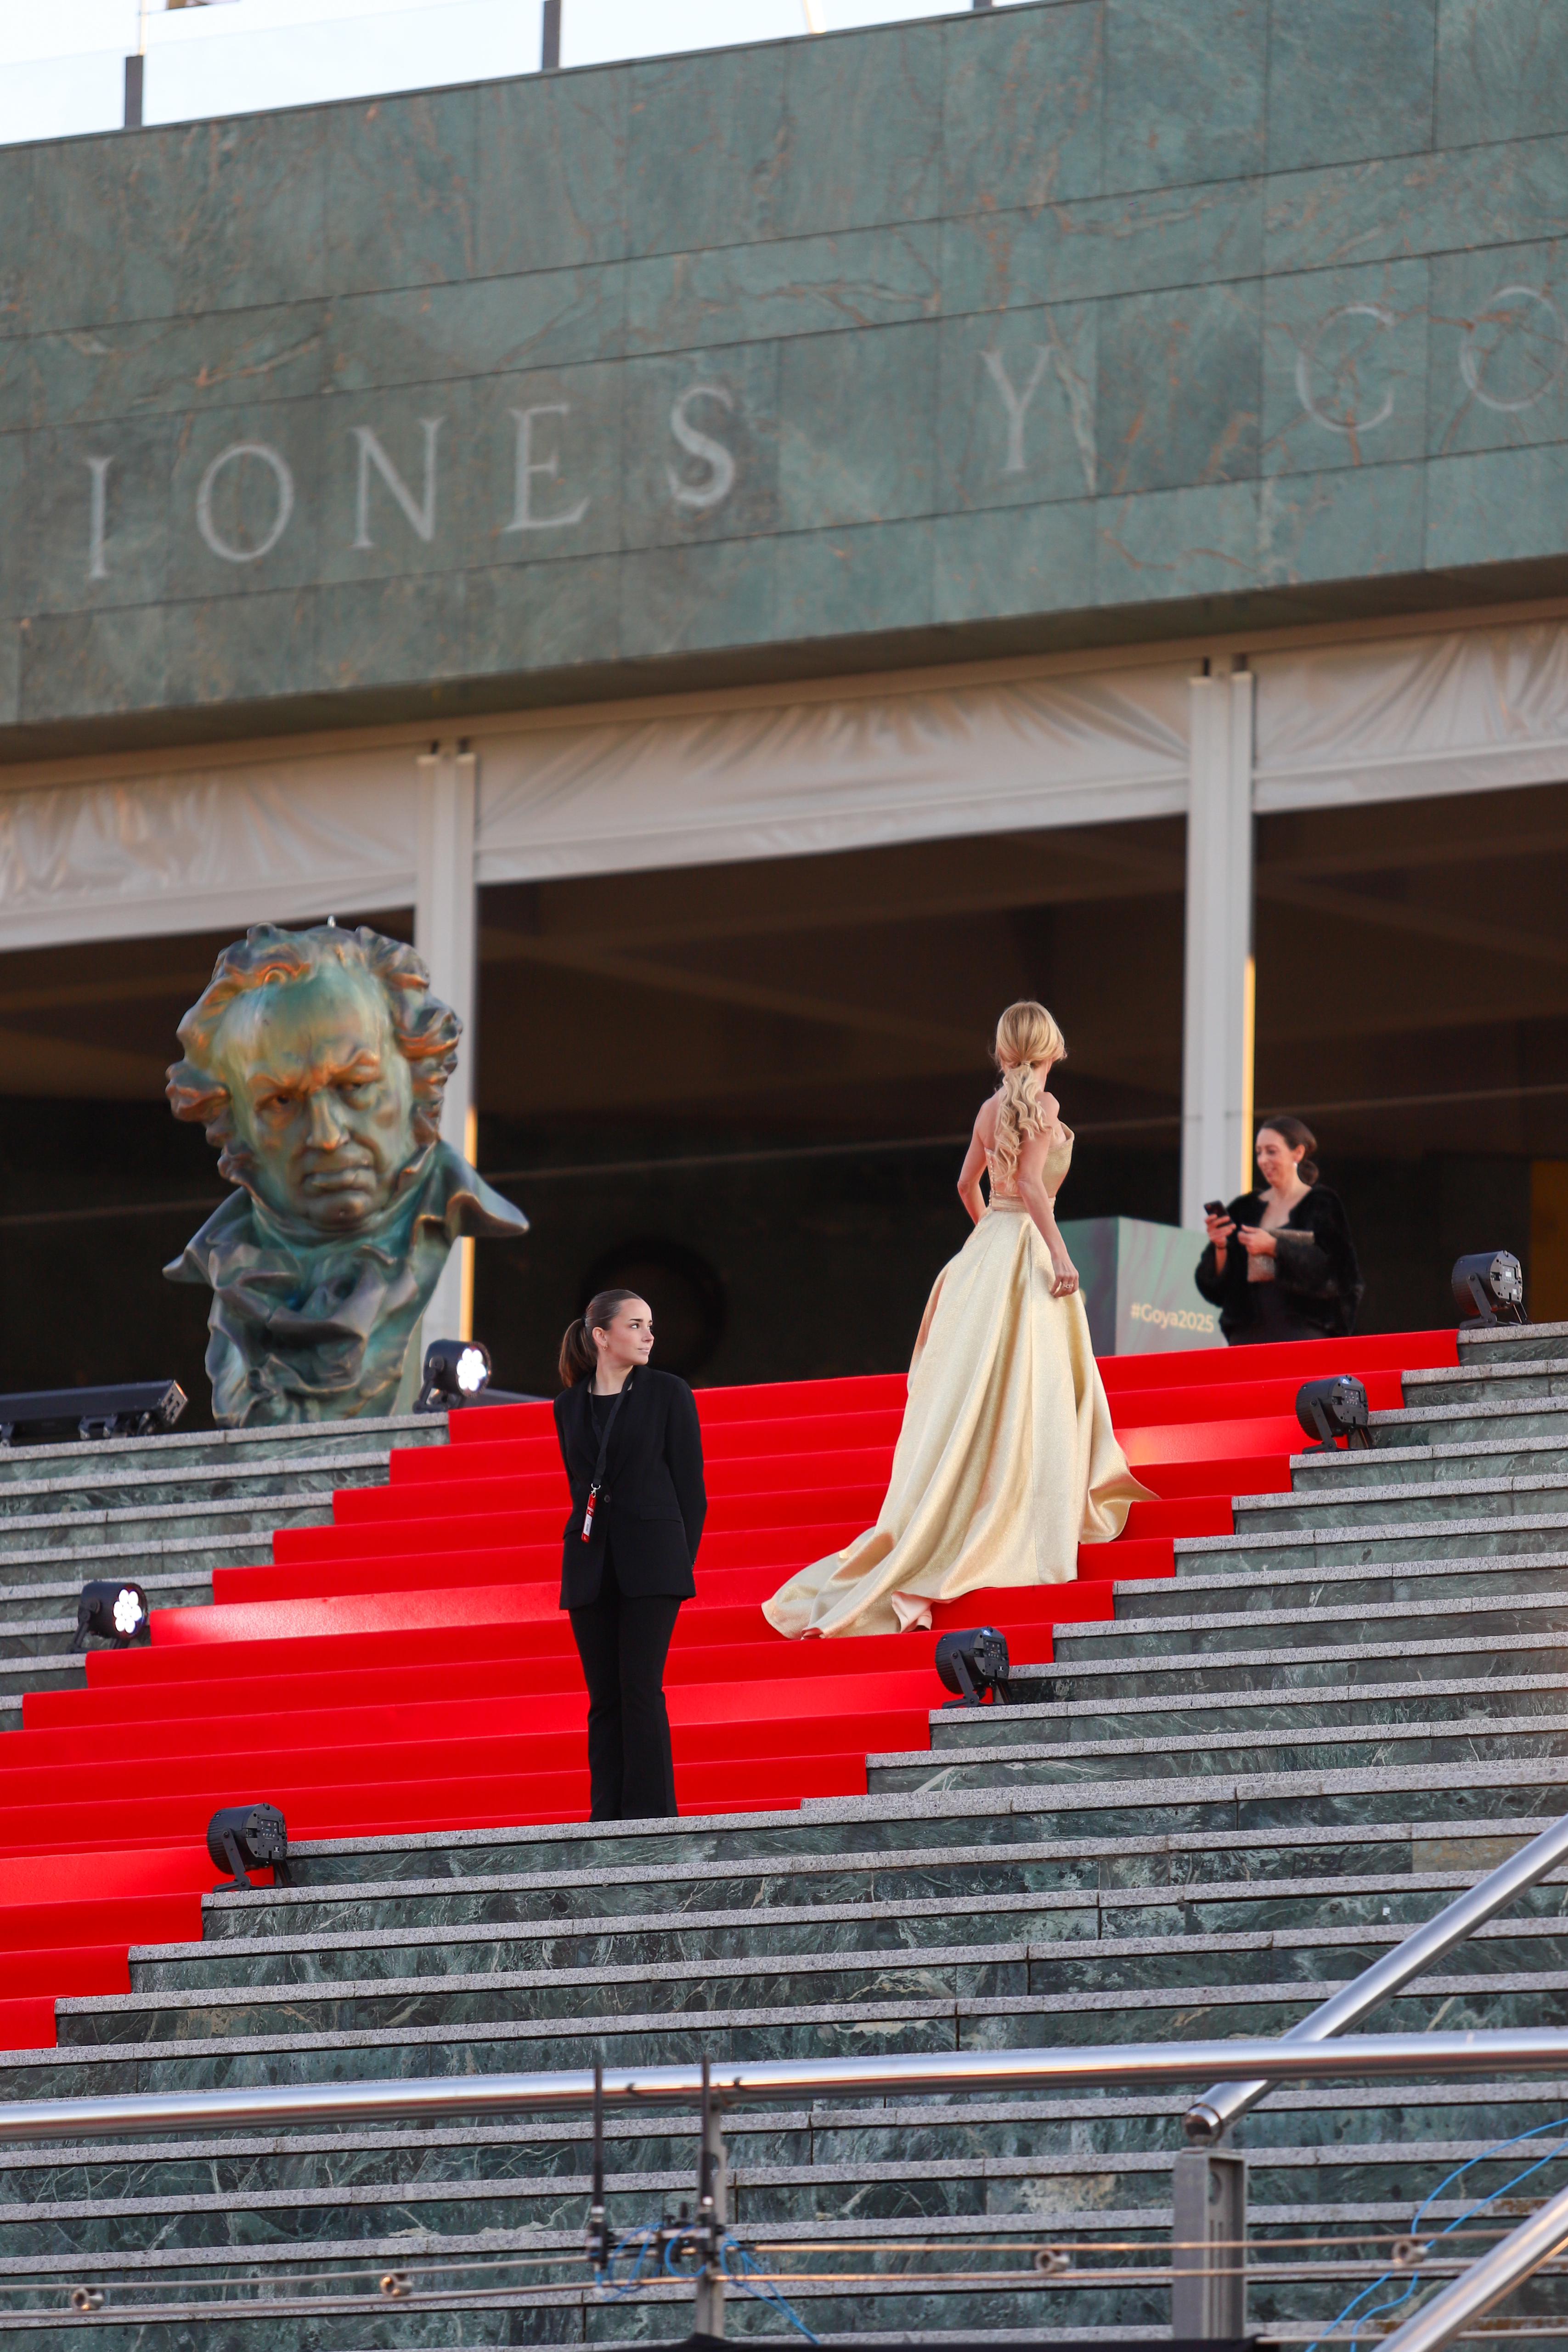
(719,461)
(98,518)
(1015,402)
(1513,353)
(264,454)
(1336,411)
(420,512)
(523,515)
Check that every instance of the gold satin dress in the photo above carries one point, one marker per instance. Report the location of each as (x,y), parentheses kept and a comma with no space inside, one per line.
(1006,1460)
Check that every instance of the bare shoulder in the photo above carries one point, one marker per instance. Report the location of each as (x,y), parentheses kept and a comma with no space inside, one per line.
(986,1120)
(1051,1110)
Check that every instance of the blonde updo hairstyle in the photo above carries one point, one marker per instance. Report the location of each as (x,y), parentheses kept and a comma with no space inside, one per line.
(1026,1034)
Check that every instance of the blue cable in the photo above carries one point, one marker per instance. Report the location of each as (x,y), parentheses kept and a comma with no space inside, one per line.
(676,2244)
(1559,2124)
(731,2250)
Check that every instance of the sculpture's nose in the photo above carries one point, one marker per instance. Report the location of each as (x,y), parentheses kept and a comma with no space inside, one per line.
(327,1130)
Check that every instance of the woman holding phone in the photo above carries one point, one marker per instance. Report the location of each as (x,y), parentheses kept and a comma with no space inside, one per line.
(634,1454)
(1281,1264)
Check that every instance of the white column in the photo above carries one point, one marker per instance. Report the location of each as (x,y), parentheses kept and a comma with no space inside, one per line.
(1217,1056)
(445,933)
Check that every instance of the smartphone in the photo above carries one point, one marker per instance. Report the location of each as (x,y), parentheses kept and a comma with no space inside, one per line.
(1214,1208)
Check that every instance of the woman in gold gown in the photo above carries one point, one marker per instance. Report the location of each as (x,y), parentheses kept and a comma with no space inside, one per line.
(1006,1460)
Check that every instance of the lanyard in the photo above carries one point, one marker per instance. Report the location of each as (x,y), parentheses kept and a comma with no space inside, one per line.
(594,1490)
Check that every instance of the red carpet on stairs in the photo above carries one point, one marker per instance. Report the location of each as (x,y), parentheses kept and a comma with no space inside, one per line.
(407,1668)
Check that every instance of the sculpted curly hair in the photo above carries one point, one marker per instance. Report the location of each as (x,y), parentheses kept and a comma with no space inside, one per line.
(426,1030)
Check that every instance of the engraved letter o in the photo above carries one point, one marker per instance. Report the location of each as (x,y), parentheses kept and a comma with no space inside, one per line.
(204,522)
(1383,319)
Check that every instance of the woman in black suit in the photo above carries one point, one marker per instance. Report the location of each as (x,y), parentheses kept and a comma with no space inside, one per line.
(1281,1264)
(634,1454)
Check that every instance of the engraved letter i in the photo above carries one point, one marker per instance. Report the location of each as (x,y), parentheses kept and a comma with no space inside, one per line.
(97,568)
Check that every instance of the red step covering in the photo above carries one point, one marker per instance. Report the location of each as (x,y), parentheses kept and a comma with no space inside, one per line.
(409,1668)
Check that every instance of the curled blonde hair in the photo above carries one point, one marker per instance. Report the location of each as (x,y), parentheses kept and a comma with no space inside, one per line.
(1026,1034)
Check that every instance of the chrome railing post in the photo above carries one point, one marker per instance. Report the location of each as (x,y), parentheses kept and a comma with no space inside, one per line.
(1212,2115)
(713,2214)
(1209,2248)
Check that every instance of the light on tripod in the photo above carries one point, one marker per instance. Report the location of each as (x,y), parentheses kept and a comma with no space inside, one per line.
(243,1838)
(974,1664)
(1329,1410)
(114,1612)
(1489,1288)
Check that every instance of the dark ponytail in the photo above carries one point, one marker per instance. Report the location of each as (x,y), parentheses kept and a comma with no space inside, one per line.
(579,1355)
(1294,1131)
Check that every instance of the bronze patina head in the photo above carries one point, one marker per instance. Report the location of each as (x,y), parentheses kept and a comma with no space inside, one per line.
(318,1061)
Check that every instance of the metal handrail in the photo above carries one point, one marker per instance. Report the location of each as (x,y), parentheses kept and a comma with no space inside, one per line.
(1451,2312)
(1541,2049)
(1214,2113)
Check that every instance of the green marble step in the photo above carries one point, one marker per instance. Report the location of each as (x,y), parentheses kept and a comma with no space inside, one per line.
(212,1532)
(225,1483)
(40,1620)
(1475,1699)
(1135,1680)
(1510,1343)
(1479,1383)
(1160,1880)
(1514,1414)
(1438,1501)
(1465,1619)
(405,1938)
(100,1462)
(989,1997)
(1437,1463)
(1361,1586)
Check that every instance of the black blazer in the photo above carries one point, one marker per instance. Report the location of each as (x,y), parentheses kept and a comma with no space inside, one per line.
(1315,1269)
(653,1498)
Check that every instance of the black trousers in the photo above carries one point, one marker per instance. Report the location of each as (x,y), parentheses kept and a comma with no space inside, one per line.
(622,1640)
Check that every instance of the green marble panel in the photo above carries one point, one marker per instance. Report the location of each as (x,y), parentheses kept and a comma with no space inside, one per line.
(883,574)
(857,432)
(120,370)
(1507,501)
(706,150)
(1021,559)
(98,661)
(1016,407)
(701,440)
(552,167)
(1184,91)
(529,616)
(10,671)
(438,332)
(1179,389)
(233,649)
(1320,113)
(374,632)
(678,598)
(16,239)
(1344,369)
(1389,208)
(862,135)
(403,197)
(1021,122)
(72,274)
(861,278)
(245,208)
(1502,70)
(1177,544)
(1104,246)
(1499,339)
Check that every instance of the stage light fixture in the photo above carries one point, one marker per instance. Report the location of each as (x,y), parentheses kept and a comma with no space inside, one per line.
(243,1838)
(457,1372)
(130,1409)
(1489,1288)
(1329,1410)
(974,1663)
(115,1610)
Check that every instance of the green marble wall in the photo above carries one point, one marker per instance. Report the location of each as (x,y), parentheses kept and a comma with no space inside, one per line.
(1080,320)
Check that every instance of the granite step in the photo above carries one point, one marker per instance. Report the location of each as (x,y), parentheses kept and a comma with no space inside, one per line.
(1433,1463)
(95,1461)
(1477,1698)
(1504,1410)
(1361,1585)
(1464,1619)
(210,1533)
(1437,1503)
(1136,1682)
(224,1483)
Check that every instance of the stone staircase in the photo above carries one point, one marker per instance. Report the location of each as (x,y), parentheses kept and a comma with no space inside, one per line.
(1200,1819)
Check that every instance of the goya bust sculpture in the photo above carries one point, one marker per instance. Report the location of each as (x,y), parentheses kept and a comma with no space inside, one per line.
(316,1060)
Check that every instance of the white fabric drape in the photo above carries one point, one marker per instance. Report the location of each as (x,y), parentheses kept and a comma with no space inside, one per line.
(208,847)
(1460,711)
(785,777)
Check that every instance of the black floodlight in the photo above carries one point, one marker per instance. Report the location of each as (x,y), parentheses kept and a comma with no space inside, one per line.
(243,1838)
(1489,1288)
(457,1373)
(1329,1410)
(974,1664)
(115,1612)
(132,1409)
